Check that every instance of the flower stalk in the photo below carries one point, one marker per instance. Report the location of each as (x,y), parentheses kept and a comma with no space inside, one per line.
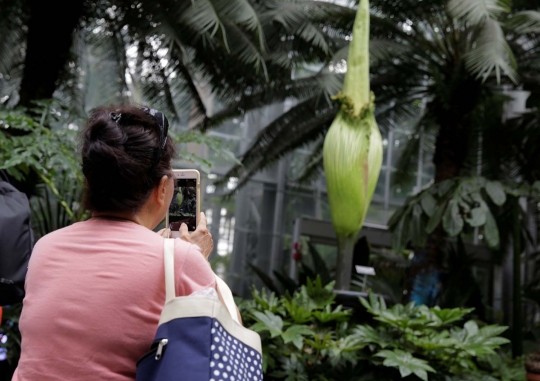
(353,150)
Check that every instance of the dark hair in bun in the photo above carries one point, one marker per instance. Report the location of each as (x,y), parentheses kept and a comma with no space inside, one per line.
(122,160)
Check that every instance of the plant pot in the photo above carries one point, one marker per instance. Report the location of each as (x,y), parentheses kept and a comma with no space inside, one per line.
(533,376)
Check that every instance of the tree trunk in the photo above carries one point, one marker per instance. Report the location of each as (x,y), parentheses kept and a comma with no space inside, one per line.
(449,159)
(451,148)
(50,35)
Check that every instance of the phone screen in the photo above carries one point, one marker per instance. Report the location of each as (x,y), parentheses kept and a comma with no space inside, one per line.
(183,206)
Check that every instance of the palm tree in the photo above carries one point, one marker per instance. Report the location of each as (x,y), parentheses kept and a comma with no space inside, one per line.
(170,54)
(163,52)
(438,63)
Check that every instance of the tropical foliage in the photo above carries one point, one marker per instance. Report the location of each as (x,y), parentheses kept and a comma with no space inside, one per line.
(443,67)
(461,205)
(168,53)
(435,61)
(305,332)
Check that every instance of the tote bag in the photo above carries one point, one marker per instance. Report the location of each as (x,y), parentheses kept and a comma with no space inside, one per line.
(198,339)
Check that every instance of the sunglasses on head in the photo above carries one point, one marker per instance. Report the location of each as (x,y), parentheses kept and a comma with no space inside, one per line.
(162,122)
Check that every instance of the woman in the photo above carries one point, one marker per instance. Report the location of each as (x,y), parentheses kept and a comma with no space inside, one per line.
(95,289)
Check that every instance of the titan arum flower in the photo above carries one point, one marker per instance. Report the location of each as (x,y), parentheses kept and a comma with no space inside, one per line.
(353,149)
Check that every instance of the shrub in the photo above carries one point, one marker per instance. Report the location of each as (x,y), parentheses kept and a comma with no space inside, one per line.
(307,337)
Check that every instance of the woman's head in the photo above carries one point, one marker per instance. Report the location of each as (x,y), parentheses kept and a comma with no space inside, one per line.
(125,155)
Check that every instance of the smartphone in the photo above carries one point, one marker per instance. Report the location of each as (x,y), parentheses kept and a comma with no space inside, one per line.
(185,205)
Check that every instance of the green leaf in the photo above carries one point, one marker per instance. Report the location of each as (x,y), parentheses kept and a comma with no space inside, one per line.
(444,187)
(299,313)
(428,203)
(525,22)
(495,191)
(491,231)
(289,284)
(268,281)
(477,11)
(270,321)
(417,233)
(435,219)
(491,53)
(369,335)
(319,264)
(398,215)
(295,334)
(452,220)
(328,315)
(406,363)
(398,236)
(477,217)
(472,328)
(465,208)
(448,316)
(421,373)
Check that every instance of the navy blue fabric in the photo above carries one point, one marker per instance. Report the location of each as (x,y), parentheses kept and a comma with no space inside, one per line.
(232,360)
(185,357)
(200,349)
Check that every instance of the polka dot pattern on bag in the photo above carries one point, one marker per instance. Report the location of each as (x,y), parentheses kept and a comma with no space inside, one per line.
(232,360)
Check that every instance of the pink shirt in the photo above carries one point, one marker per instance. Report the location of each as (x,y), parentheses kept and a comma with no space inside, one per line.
(94,293)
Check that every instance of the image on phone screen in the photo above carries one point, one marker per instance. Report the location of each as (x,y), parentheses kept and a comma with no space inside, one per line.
(183,207)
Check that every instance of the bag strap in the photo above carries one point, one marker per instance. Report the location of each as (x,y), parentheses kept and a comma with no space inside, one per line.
(168,255)
(170,289)
(227,296)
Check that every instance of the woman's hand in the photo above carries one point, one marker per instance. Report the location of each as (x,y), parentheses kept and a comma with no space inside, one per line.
(200,237)
(165,233)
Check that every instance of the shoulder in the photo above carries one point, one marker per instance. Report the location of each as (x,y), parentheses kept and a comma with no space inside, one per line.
(86,233)
(55,236)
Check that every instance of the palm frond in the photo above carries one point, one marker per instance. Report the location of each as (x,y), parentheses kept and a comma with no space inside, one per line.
(322,25)
(298,127)
(193,100)
(180,70)
(384,49)
(106,70)
(165,93)
(491,53)
(242,13)
(210,18)
(406,9)
(313,165)
(477,11)
(525,22)
(243,48)
(203,16)
(313,34)
(290,14)
(321,86)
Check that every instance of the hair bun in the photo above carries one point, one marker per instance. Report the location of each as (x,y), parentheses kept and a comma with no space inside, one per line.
(118,155)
